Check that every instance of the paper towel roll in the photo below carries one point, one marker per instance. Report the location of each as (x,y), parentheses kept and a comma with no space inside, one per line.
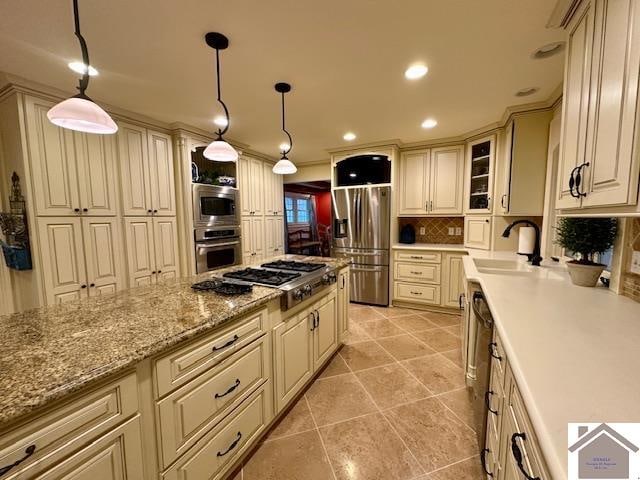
(526,240)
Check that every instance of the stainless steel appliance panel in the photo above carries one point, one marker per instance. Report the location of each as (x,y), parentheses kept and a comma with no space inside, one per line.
(370,284)
(345,214)
(360,256)
(484,337)
(362,217)
(214,205)
(216,254)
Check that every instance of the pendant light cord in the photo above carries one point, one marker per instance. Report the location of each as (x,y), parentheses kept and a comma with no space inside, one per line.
(84,81)
(221,131)
(285,152)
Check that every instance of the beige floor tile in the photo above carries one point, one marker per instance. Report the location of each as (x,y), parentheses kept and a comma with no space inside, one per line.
(455,356)
(381,328)
(459,401)
(433,434)
(404,347)
(336,366)
(439,340)
(392,385)
(356,334)
(414,323)
(469,469)
(365,355)
(335,399)
(394,312)
(454,330)
(363,314)
(443,319)
(297,419)
(436,373)
(367,448)
(298,457)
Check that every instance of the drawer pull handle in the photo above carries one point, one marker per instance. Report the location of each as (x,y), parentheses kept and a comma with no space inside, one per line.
(487,401)
(416,293)
(517,454)
(417,257)
(235,385)
(416,273)
(231,447)
(483,460)
(313,321)
(228,344)
(317,324)
(492,351)
(30,450)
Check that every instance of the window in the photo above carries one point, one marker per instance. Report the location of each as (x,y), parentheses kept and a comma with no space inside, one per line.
(298,208)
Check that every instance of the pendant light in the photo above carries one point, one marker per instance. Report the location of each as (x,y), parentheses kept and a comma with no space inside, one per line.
(219,150)
(284,165)
(80,113)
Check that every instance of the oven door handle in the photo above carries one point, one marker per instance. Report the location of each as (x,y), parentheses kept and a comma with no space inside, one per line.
(212,245)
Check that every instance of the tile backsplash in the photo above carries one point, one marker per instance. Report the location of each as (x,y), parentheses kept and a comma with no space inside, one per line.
(436,229)
(631,281)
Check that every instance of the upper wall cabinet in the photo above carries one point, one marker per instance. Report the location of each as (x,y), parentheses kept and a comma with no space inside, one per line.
(72,173)
(480,165)
(146,169)
(431,181)
(273,191)
(524,168)
(251,186)
(598,164)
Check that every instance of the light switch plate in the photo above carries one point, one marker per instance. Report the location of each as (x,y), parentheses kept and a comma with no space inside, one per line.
(451,230)
(635,262)
(458,231)
(423,230)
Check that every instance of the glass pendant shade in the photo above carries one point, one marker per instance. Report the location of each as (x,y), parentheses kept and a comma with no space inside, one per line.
(81,115)
(284,167)
(220,151)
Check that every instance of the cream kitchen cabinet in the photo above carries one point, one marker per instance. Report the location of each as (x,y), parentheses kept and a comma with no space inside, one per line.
(72,173)
(524,164)
(344,294)
(251,186)
(302,344)
(80,257)
(477,232)
(480,170)
(273,191)
(146,170)
(598,163)
(453,280)
(152,249)
(431,181)
(274,236)
(253,239)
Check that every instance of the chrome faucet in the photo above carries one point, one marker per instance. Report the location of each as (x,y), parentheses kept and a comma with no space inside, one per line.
(534,257)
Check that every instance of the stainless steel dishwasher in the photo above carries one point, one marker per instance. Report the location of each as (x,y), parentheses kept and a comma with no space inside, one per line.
(484,337)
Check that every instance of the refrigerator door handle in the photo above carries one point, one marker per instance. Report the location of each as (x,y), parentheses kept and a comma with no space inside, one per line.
(358,214)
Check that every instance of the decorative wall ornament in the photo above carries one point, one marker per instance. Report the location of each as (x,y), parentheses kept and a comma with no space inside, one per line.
(15,246)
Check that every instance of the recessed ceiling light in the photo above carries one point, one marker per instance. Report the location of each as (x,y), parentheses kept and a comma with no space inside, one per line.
(548,50)
(80,68)
(220,121)
(416,71)
(429,123)
(349,136)
(525,92)
(353,175)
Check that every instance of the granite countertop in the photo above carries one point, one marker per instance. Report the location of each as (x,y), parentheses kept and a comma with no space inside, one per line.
(50,352)
(573,350)
(444,247)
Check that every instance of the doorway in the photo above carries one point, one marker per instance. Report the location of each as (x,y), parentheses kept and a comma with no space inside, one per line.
(308,218)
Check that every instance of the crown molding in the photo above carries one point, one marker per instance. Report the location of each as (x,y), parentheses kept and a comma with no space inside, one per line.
(395,143)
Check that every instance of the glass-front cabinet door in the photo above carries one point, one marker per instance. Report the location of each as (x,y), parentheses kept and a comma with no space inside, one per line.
(480,175)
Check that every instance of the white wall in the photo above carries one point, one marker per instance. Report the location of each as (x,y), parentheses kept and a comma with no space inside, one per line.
(310,173)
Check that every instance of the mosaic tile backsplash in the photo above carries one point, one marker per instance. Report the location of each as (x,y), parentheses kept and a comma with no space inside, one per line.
(436,229)
(631,281)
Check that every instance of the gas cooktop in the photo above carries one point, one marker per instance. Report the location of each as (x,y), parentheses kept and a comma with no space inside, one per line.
(263,276)
(293,265)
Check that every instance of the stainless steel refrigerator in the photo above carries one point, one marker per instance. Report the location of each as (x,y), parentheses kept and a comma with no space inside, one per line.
(361,219)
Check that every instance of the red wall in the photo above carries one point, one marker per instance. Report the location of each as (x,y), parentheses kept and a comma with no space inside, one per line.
(323,206)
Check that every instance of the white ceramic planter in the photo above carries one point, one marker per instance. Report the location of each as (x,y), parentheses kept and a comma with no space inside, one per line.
(585,275)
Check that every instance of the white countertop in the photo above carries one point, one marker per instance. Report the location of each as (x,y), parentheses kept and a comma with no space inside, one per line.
(443,247)
(574,351)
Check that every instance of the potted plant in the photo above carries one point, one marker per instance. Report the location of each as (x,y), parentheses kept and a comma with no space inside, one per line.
(583,238)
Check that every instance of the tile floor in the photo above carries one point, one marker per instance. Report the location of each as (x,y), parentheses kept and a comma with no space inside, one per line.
(391,405)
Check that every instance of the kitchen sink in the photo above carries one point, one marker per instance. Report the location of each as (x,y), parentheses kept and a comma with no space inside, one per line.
(503,267)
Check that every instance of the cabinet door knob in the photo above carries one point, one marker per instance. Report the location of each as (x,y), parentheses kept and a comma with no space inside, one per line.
(85,210)
(77,210)
(83,286)
(155,211)
(92,285)
(153,273)
(159,272)
(149,211)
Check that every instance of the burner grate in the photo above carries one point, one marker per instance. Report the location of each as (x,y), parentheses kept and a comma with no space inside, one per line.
(220,286)
(294,266)
(265,277)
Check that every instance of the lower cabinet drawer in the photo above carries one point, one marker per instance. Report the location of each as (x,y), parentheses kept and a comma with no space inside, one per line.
(60,432)
(187,413)
(427,294)
(181,365)
(414,272)
(210,457)
(414,256)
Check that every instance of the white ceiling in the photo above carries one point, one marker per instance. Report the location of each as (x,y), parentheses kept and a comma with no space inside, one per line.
(345,59)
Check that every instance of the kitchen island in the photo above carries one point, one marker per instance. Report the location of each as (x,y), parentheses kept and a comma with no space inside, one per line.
(112,370)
